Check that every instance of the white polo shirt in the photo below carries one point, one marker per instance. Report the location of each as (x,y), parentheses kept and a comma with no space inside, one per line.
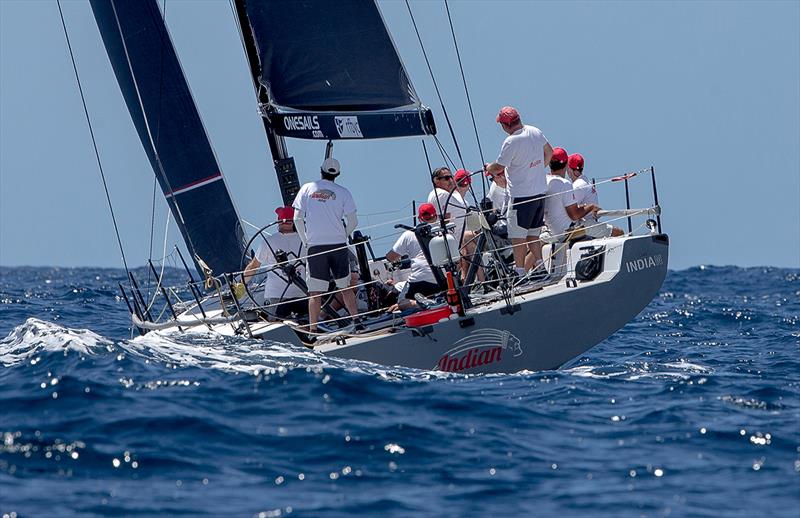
(456,207)
(324,204)
(559,196)
(499,196)
(407,244)
(585,193)
(522,154)
(274,286)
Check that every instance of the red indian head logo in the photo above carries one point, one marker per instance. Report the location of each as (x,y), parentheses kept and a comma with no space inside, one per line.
(481,347)
(323,195)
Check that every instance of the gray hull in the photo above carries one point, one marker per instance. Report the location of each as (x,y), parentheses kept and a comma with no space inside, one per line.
(547,329)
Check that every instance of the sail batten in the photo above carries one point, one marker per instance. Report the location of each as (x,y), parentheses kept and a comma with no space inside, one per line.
(169,126)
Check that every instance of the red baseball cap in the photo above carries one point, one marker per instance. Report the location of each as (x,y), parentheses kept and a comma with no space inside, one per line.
(508,115)
(575,162)
(285,213)
(559,154)
(463,175)
(426,211)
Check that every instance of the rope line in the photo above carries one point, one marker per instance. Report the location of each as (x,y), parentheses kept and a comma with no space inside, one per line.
(94,141)
(160,168)
(466,92)
(435,84)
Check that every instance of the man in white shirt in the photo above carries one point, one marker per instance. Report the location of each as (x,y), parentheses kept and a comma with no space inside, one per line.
(498,191)
(523,155)
(282,295)
(447,197)
(561,208)
(325,215)
(421,279)
(452,205)
(586,194)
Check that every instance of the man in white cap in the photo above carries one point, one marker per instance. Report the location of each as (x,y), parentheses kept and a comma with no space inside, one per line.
(325,215)
(524,154)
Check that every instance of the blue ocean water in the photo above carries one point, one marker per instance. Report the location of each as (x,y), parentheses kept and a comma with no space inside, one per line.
(691,409)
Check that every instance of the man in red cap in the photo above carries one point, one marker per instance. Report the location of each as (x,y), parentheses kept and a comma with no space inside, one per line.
(586,194)
(282,295)
(421,279)
(523,155)
(561,209)
(446,196)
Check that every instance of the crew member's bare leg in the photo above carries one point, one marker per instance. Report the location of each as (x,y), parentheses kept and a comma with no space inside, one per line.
(535,247)
(350,302)
(520,249)
(314,307)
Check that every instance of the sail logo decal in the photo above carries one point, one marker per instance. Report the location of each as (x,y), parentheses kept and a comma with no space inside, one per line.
(651,261)
(481,347)
(323,195)
(301,122)
(347,127)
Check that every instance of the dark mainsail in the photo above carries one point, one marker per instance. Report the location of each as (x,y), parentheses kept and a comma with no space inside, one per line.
(329,70)
(169,126)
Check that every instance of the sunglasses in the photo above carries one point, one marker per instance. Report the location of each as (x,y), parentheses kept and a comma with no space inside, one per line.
(447,177)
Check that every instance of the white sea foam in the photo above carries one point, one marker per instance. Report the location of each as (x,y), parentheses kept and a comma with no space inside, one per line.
(634,371)
(210,350)
(35,336)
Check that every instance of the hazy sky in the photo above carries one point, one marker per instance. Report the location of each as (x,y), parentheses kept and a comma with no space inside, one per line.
(707,92)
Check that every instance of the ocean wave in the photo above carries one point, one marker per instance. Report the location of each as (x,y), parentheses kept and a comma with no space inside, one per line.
(37,336)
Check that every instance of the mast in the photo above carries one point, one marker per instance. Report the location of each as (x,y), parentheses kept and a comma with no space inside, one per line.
(285,168)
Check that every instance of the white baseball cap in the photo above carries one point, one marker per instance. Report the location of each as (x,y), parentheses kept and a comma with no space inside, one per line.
(331,166)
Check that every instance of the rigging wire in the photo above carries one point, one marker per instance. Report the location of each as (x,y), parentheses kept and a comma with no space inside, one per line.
(435,85)
(94,141)
(158,135)
(160,169)
(466,91)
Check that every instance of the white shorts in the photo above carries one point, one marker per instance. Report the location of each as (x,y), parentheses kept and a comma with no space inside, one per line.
(517,232)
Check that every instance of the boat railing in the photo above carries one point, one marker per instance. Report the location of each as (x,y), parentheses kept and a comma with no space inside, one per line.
(235,295)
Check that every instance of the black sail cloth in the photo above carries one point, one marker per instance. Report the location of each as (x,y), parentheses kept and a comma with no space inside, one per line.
(331,70)
(169,126)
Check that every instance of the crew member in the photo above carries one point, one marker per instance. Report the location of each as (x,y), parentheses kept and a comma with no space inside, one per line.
(586,194)
(446,198)
(281,295)
(421,279)
(325,215)
(498,191)
(463,180)
(498,194)
(560,206)
(524,153)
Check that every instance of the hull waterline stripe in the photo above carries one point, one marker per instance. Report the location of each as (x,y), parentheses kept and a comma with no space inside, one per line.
(195,185)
